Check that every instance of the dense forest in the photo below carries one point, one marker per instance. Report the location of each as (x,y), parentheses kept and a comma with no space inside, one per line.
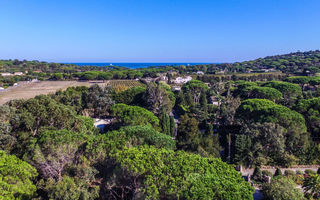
(166,143)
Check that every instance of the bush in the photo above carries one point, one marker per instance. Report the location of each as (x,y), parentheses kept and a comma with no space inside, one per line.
(318,172)
(282,188)
(267,173)
(289,173)
(309,172)
(299,172)
(278,172)
(257,174)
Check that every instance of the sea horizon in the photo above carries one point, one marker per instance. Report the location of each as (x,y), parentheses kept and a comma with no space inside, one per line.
(133,65)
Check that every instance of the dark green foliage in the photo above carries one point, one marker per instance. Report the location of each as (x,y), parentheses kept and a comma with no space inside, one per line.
(179,175)
(310,108)
(72,96)
(267,173)
(164,121)
(309,171)
(69,188)
(278,172)
(131,96)
(195,87)
(133,115)
(259,144)
(141,135)
(290,92)
(262,93)
(172,127)
(188,137)
(42,111)
(99,100)
(257,174)
(262,110)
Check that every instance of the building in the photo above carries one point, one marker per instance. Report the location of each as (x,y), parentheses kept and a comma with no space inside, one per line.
(200,73)
(182,80)
(6,74)
(18,74)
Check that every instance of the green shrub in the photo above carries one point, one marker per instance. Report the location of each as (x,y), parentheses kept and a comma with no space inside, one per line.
(289,173)
(257,174)
(267,173)
(278,172)
(299,172)
(309,172)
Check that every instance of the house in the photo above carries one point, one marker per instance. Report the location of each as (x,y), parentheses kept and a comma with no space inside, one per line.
(200,73)
(182,80)
(176,88)
(214,100)
(18,74)
(6,74)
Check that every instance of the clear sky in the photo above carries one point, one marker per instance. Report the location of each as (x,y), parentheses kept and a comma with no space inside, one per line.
(156,30)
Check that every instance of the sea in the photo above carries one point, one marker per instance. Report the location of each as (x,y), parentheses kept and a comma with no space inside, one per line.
(136,65)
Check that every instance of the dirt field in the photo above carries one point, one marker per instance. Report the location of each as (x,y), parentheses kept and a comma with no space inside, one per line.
(27,90)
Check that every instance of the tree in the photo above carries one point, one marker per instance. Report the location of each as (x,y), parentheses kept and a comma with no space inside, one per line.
(163,174)
(158,96)
(278,172)
(69,188)
(259,144)
(290,91)
(262,93)
(172,127)
(99,99)
(257,174)
(310,109)
(311,186)
(133,115)
(188,134)
(164,121)
(131,96)
(195,87)
(16,178)
(282,188)
(53,151)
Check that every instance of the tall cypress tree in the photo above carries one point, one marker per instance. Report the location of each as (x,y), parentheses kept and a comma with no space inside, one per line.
(172,126)
(164,121)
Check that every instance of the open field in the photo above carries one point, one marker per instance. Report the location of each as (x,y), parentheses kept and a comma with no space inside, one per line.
(124,83)
(27,90)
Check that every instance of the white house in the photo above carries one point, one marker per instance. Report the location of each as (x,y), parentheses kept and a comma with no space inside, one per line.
(200,73)
(182,80)
(18,74)
(6,74)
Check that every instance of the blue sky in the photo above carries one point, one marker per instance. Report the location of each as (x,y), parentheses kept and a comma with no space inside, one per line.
(156,30)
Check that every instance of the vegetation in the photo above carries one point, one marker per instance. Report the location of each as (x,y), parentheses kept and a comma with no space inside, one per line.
(159,142)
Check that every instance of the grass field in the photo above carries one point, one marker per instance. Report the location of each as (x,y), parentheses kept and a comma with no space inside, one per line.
(29,90)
